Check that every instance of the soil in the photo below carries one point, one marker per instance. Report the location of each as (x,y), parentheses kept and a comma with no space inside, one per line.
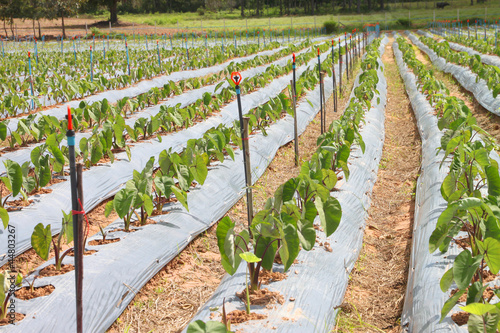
(103,242)
(263,297)
(51,270)
(15,204)
(137,224)
(26,293)
(86,253)
(240,316)
(5,321)
(375,294)
(170,299)
(460,318)
(267,277)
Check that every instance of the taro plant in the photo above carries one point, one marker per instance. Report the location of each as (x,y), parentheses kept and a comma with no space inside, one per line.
(282,227)
(41,240)
(138,196)
(7,279)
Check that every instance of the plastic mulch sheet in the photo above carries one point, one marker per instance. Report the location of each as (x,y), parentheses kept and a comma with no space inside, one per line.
(141,87)
(424,298)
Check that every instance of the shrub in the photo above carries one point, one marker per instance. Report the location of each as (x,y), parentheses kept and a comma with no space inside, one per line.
(95,31)
(404,22)
(331,27)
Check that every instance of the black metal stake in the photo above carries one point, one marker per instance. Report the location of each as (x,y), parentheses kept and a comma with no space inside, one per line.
(236,77)
(70,134)
(340,68)
(346,57)
(294,103)
(351,54)
(333,77)
(320,94)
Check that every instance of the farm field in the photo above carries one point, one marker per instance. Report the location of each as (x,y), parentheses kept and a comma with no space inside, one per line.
(288,181)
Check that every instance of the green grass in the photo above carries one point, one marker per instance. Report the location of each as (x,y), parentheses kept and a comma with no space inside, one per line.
(420,13)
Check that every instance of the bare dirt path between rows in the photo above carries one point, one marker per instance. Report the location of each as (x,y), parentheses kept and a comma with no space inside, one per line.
(375,295)
(169,300)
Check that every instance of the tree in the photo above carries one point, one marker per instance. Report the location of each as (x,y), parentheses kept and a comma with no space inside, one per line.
(113,11)
(35,11)
(112,6)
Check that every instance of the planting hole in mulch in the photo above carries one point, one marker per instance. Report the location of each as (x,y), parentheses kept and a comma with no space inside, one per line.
(241,316)
(120,229)
(267,277)
(104,242)
(262,297)
(460,318)
(14,204)
(26,293)
(42,190)
(51,270)
(6,321)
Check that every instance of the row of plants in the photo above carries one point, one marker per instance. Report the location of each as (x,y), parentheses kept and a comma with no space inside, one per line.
(286,223)
(50,158)
(53,88)
(490,74)
(108,127)
(35,128)
(483,46)
(74,62)
(471,190)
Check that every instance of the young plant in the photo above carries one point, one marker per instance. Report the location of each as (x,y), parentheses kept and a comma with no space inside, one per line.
(103,233)
(41,240)
(6,281)
(250,258)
